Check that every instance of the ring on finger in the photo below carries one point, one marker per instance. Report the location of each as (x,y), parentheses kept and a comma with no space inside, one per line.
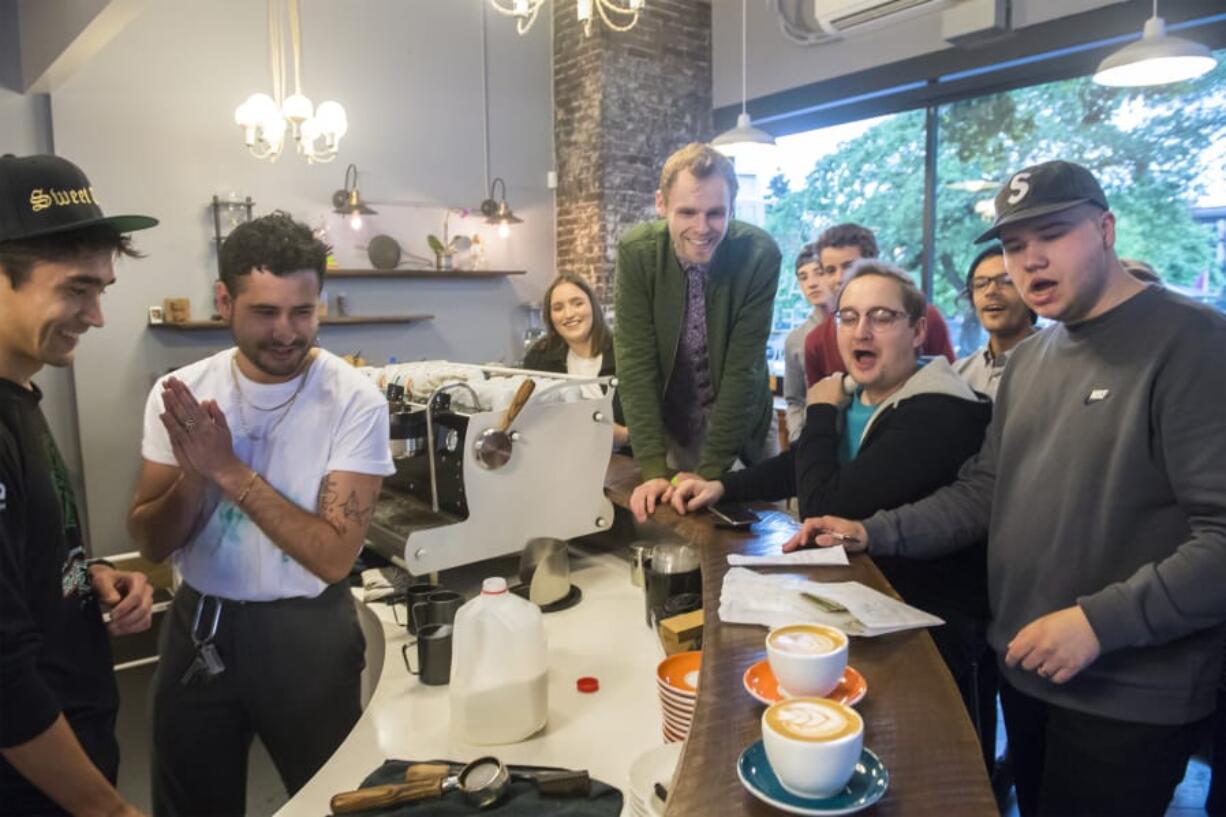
(189,424)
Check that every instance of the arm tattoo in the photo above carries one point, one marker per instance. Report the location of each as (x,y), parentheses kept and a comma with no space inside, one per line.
(350,509)
(353,510)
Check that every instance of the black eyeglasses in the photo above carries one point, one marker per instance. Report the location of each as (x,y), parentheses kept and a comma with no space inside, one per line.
(981,284)
(879,317)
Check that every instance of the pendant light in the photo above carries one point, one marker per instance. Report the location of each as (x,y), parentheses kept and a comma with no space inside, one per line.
(495,209)
(744,143)
(1156,59)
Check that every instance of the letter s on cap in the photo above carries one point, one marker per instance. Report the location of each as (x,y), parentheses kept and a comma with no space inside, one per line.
(1019,187)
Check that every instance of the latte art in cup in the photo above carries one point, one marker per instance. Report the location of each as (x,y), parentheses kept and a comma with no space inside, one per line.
(806,640)
(812,744)
(815,720)
(807,659)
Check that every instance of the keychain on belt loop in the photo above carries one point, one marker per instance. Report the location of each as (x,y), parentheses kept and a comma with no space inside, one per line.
(207,662)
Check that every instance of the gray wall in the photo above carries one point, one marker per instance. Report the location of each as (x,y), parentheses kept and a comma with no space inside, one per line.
(150,118)
(10,52)
(777,64)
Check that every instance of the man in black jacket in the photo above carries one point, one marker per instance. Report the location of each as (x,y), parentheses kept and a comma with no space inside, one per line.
(57,691)
(896,429)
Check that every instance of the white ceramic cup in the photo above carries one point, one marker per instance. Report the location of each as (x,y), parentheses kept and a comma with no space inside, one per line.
(807,659)
(813,744)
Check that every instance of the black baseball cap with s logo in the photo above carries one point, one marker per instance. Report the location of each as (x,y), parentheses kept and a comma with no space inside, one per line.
(43,195)
(1042,189)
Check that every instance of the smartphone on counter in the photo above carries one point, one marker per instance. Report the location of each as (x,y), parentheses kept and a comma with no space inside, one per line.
(732,516)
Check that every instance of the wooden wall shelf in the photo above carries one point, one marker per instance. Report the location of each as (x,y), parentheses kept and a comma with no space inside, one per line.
(418,273)
(346,320)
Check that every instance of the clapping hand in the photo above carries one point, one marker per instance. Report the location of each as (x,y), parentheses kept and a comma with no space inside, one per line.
(199,433)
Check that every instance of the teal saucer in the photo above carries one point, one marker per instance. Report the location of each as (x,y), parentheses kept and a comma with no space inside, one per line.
(867,785)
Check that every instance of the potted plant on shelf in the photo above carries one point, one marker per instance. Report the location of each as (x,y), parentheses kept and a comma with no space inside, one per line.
(445,249)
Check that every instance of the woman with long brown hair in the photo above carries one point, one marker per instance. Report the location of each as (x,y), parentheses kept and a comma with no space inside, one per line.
(577,340)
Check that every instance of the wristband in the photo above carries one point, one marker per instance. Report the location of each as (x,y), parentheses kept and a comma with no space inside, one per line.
(91,562)
(246,489)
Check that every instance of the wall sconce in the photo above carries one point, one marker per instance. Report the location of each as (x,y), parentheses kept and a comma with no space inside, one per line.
(348,202)
(497,211)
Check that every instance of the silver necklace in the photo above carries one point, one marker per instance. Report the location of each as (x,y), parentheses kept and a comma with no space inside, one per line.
(286,404)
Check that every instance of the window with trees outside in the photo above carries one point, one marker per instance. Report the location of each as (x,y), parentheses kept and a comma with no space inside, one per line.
(1160,154)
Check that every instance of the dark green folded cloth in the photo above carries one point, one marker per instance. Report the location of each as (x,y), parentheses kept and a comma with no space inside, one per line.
(521,798)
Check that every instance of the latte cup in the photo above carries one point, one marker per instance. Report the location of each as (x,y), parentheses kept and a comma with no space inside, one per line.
(807,659)
(813,744)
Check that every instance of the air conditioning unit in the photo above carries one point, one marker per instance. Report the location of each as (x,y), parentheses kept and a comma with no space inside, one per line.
(844,18)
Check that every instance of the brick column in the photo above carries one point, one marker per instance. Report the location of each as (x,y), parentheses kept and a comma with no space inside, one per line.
(622,103)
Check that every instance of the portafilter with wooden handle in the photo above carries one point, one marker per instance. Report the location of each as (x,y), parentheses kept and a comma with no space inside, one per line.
(483,781)
(493,447)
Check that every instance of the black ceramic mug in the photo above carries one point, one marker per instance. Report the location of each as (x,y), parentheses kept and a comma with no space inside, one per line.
(415,594)
(438,607)
(433,644)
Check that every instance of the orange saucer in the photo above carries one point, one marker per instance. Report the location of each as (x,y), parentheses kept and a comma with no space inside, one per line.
(679,672)
(761,683)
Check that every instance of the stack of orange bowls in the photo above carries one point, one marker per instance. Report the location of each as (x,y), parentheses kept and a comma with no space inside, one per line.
(677,683)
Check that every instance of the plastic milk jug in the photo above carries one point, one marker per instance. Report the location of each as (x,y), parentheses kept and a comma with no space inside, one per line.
(499,675)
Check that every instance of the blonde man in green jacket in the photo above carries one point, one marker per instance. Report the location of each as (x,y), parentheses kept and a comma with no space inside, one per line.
(694,293)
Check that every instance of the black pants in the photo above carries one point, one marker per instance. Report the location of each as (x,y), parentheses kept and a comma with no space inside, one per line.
(293,677)
(1072,763)
(963,644)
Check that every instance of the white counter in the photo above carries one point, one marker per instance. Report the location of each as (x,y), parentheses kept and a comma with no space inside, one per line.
(604,636)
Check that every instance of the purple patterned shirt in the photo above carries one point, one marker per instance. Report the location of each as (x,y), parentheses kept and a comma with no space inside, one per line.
(688,396)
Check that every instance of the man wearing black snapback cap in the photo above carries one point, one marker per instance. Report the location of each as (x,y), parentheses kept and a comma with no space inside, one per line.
(1101,485)
(57,691)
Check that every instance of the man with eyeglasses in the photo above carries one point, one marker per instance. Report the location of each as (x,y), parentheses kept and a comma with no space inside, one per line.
(1101,486)
(1001,312)
(896,428)
(838,249)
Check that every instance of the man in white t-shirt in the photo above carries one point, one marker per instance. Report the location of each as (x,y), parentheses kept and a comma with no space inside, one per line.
(262,465)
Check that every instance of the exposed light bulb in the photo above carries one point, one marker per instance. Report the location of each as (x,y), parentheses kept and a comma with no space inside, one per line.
(297,108)
(504,230)
(355,222)
(262,107)
(244,117)
(331,116)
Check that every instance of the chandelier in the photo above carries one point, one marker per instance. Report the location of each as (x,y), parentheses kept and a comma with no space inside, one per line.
(265,119)
(619,15)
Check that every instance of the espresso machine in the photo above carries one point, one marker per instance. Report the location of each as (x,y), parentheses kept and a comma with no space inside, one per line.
(488,458)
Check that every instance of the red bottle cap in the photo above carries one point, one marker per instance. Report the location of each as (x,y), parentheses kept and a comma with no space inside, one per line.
(587,684)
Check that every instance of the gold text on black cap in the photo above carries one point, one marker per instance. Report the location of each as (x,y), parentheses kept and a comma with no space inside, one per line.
(41,199)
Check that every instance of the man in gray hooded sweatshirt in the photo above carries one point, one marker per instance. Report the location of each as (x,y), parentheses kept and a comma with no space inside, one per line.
(1102,487)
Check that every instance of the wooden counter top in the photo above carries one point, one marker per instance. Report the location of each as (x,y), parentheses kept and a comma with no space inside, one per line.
(914,718)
